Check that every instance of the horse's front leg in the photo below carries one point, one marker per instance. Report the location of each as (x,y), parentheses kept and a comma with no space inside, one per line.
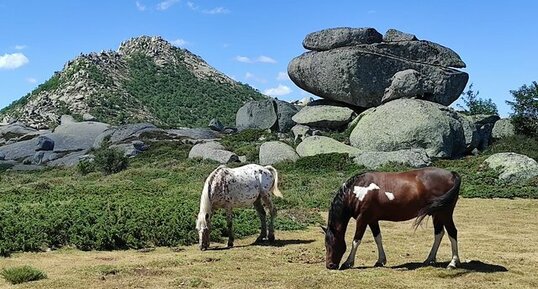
(359,233)
(229,221)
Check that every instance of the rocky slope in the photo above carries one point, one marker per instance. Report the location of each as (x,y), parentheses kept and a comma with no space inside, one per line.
(146,79)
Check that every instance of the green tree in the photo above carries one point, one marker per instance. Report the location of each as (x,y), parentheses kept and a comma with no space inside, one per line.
(475,105)
(525,109)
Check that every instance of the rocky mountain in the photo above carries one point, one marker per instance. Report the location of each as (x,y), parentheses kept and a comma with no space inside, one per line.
(146,80)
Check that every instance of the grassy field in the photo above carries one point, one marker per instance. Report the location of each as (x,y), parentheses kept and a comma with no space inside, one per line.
(497,238)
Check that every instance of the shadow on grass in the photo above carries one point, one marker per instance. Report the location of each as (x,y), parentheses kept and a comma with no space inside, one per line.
(471,266)
(276,243)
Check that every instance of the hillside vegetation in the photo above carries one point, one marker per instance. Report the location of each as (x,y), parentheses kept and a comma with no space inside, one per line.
(155,201)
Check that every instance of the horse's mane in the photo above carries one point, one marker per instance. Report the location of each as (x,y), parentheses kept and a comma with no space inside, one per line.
(338,206)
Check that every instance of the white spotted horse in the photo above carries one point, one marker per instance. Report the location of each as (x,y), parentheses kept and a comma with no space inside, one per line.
(375,196)
(228,188)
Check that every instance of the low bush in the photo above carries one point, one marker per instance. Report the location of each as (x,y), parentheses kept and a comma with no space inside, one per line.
(18,275)
(110,160)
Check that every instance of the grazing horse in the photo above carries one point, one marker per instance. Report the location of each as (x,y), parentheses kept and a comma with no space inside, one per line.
(375,196)
(239,187)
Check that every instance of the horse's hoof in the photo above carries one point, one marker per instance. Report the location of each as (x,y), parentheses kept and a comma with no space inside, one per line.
(379,264)
(230,245)
(429,263)
(271,239)
(346,266)
(259,240)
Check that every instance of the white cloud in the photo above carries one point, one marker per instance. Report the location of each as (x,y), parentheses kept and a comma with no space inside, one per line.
(280,90)
(166,4)
(217,10)
(265,59)
(243,59)
(20,47)
(140,6)
(180,42)
(252,76)
(282,76)
(192,6)
(31,80)
(13,61)
(259,59)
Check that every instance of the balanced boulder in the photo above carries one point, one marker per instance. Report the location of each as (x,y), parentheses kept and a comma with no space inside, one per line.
(359,74)
(340,37)
(325,117)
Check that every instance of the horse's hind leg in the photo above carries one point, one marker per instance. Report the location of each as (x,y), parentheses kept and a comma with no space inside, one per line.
(272,213)
(263,219)
(382,258)
(439,232)
(229,221)
(453,236)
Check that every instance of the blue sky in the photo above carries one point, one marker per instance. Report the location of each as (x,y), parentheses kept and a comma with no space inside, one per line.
(253,41)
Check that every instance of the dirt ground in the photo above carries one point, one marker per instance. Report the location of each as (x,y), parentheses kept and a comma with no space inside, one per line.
(497,239)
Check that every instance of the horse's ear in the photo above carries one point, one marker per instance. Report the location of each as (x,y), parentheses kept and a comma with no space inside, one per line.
(324,229)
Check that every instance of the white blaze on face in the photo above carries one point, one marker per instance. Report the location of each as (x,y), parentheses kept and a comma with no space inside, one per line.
(361,192)
(390,196)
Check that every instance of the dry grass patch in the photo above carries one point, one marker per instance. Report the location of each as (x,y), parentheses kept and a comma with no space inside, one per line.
(497,239)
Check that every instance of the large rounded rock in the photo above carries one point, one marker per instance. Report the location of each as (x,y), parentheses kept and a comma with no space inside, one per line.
(256,114)
(213,151)
(408,83)
(503,128)
(328,117)
(76,136)
(340,37)
(513,167)
(409,124)
(275,152)
(359,76)
(415,158)
(316,145)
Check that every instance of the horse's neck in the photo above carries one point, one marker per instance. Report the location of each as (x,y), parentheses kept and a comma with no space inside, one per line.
(340,214)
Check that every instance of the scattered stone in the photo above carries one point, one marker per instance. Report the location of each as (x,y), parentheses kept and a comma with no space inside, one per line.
(415,158)
(275,152)
(513,167)
(213,151)
(300,132)
(256,114)
(503,128)
(44,143)
(215,125)
(316,145)
(88,117)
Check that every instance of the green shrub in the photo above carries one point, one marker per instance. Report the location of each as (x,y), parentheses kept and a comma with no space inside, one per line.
(332,161)
(86,166)
(525,106)
(111,160)
(18,275)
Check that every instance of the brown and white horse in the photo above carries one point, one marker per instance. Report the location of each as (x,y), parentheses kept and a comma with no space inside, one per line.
(238,187)
(375,196)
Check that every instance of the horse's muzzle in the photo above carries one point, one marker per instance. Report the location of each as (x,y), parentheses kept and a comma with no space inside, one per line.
(332,266)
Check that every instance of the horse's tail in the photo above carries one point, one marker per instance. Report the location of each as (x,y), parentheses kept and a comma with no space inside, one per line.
(274,188)
(443,202)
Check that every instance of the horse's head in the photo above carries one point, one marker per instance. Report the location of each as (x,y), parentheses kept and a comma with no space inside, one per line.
(203,226)
(335,246)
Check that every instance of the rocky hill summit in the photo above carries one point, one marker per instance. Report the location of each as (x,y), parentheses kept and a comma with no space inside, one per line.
(146,80)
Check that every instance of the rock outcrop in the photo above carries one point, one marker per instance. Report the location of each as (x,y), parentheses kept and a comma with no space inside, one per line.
(344,68)
(316,145)
(324,116)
